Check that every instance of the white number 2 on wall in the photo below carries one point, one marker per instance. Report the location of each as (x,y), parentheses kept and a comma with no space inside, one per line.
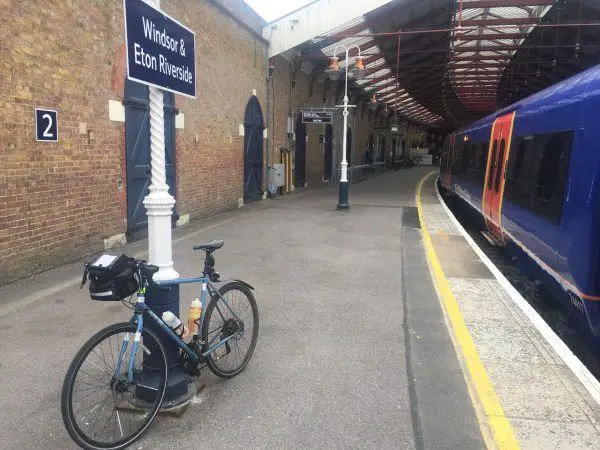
(47,130)
(46,125)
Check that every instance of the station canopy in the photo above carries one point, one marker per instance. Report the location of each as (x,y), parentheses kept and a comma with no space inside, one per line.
(440,63)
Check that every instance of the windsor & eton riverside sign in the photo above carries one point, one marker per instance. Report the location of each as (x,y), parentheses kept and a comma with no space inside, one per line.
(160,51)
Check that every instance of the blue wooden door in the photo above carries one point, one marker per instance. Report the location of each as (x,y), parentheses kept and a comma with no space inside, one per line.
(137,139)
(253,151)
(300,154)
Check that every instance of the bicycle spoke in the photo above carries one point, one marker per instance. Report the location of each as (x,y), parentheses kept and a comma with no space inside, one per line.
(102,400)
(231,317)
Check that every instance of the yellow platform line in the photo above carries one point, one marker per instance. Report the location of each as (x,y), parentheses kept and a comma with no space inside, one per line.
(480,387)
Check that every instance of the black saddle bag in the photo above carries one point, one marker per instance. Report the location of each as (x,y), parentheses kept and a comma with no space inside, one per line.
(112,277)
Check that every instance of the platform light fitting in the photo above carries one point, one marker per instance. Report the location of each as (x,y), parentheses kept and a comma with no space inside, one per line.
(372,103)
(334,68)
(359,68)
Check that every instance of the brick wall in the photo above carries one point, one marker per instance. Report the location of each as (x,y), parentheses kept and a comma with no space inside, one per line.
(210,152)
(58,201)
(286,101)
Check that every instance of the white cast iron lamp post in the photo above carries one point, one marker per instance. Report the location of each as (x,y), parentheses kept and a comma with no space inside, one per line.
(334,73)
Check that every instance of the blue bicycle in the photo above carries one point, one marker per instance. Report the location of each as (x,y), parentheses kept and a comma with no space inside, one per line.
(115,385)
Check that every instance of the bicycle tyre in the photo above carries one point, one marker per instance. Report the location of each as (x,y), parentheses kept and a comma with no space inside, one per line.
(211,363)
(68,386)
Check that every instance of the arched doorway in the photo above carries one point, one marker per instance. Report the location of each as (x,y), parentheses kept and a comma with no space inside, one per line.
(137,157)
(328,162)
(381,152)
(300,153)
(349,146)
(370,149)
(253,150)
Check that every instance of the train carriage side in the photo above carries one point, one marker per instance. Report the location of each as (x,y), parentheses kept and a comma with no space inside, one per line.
(540,190)
(546,216)
(464,161)
(578,257)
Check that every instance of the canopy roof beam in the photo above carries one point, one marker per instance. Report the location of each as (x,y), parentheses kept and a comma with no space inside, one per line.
(316,18)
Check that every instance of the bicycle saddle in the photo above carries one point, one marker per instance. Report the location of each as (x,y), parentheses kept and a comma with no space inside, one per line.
(210,246)
(148,269)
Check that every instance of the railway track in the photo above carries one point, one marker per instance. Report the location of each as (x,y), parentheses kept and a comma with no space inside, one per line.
(548,307)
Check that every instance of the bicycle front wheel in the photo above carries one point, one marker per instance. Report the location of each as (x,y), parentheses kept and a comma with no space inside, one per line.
(230,329)
(102,408)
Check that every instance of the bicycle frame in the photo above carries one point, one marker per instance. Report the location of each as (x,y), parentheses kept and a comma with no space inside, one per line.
(141,309)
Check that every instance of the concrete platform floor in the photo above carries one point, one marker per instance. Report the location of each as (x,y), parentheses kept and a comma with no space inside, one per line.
(353,350)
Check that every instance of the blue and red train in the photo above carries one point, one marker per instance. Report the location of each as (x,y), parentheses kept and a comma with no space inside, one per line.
(531,172)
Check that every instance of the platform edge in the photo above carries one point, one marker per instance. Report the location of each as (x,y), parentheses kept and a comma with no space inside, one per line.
(484,394)
(566,355)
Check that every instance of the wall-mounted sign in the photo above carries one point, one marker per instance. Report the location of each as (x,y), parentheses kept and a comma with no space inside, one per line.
(46,125)
(160,51)
(316,117)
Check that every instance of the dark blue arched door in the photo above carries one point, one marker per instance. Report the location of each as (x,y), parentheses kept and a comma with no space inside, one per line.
(300,154)
(253,150)
(137,139)
(328,163)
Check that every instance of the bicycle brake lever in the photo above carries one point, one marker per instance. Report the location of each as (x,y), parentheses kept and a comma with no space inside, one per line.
(86,271)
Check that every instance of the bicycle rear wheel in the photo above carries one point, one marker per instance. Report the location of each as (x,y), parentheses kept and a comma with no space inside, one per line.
(102,409)
(237,316)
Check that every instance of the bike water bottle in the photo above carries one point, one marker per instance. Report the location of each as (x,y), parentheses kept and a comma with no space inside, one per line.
(193,315)
(175,324)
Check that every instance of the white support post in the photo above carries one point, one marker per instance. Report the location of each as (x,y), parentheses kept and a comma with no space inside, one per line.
(159,203)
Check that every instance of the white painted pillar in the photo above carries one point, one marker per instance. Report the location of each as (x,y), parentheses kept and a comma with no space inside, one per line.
(159,203)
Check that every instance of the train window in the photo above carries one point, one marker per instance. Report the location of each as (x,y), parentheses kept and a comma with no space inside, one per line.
(457,160)
(474,151)
(467,152)
(538,173)
(474,162)
(552,173)
(444,155)
(499,166)
(519,158)
(485,148)
(492,165)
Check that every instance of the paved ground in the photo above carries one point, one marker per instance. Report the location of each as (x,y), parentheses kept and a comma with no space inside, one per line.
(353,350)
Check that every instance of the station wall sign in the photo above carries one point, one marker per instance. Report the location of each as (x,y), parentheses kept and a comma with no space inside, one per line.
(46,125)
(317,117)
(161,52)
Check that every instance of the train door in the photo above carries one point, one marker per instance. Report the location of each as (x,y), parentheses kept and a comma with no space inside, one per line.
(494,179)
(449,159)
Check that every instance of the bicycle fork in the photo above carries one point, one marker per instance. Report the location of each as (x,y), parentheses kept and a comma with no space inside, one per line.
(136,341)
